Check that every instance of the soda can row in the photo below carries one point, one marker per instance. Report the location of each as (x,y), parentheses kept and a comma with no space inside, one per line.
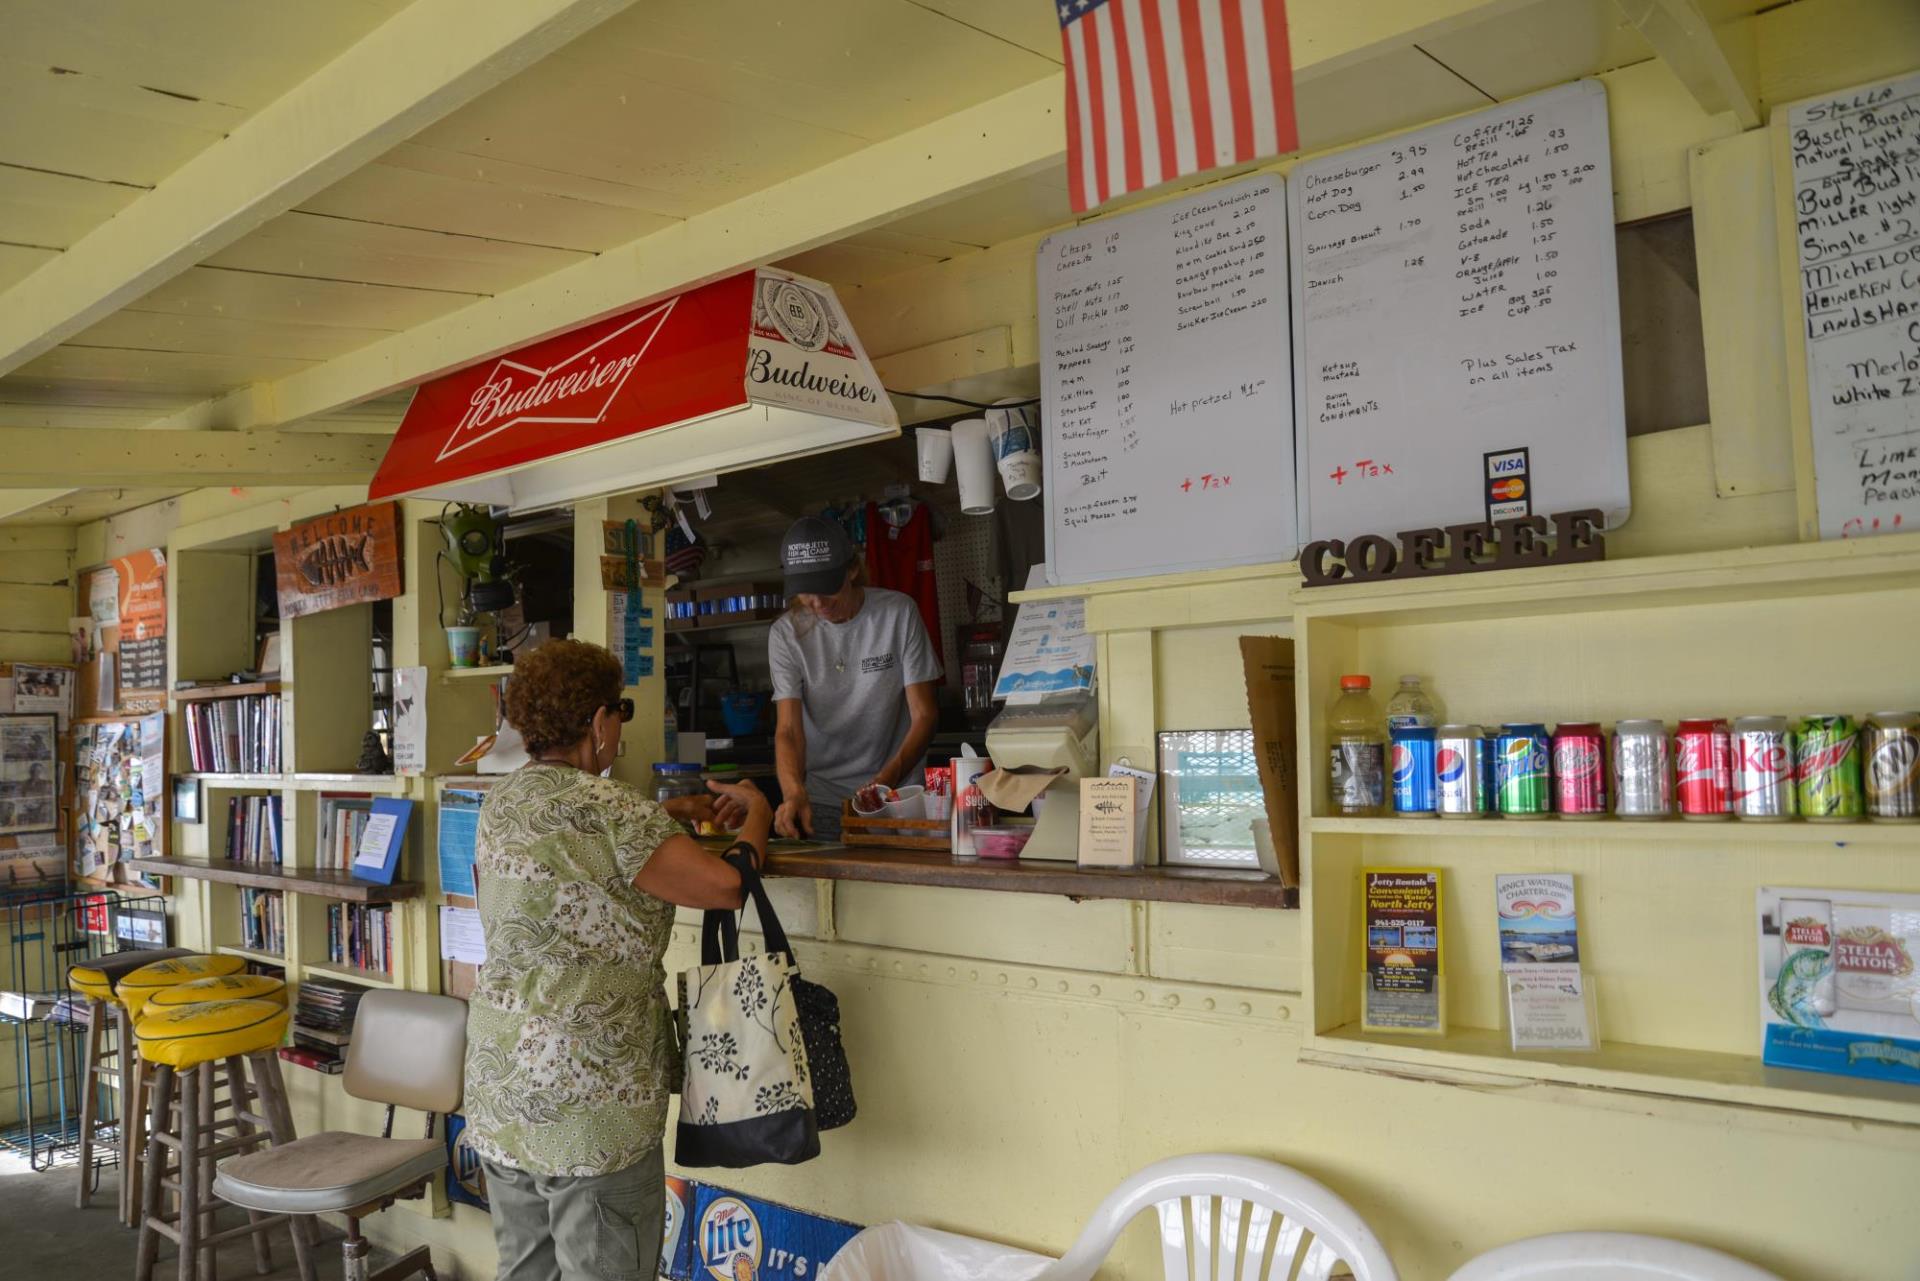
(1824,768)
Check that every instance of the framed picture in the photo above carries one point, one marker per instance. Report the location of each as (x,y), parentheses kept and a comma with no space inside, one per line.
(29,774)
(186,800)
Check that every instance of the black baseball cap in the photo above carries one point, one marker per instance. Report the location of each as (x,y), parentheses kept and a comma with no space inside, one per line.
(815,556)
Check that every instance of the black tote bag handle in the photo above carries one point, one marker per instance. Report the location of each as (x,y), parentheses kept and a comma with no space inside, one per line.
(720,930)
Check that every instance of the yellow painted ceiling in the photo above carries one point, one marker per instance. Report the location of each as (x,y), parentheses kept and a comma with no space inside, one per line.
(669,109)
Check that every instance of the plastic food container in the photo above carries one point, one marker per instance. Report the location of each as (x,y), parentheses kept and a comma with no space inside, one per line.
(671,779)
(1000,842)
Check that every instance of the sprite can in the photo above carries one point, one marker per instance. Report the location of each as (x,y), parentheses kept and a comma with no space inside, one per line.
(1523,771)
(1828,766)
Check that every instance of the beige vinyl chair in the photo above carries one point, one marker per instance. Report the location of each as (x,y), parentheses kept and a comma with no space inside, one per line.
(408,1050)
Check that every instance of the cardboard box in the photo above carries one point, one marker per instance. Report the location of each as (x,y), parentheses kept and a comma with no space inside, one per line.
(1268,661)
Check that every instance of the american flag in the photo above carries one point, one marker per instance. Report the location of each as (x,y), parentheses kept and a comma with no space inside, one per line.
(1158,89)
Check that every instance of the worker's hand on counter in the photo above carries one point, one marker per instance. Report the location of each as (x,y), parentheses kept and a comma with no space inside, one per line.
(794,818)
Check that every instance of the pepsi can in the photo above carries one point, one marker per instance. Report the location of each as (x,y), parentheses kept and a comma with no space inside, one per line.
(1459,771)
(1523,771)
(1413,781)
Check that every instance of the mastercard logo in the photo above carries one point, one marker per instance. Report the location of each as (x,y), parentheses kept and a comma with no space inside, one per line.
(1510,488)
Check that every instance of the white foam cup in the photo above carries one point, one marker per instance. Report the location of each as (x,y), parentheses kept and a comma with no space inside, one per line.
(973,459)
(1014,432)
(936,454)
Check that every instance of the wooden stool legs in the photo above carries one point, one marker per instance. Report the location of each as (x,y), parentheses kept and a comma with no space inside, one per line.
(187,1134)
(89,1097)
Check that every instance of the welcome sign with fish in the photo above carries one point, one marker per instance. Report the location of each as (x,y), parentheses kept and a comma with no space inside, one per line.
(343,558)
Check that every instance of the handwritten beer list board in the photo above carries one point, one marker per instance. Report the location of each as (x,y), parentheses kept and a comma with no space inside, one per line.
(1164,375)
(1457,322)
(1856,196)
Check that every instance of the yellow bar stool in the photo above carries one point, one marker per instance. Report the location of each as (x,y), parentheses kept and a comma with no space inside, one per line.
(192,1047)
(131,992)
(109,1061)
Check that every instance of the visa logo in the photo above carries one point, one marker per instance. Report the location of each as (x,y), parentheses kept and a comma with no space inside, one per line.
(1506,464)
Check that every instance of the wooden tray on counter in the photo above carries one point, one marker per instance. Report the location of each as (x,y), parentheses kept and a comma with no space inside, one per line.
(900,833)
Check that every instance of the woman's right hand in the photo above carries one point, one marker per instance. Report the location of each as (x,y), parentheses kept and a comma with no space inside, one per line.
(794,818)
(735,803)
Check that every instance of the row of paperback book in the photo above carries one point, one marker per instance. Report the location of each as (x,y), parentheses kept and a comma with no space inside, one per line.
(263,921)
(253,829)
(343,821)
(361,935)
(235,735)
(323,1016)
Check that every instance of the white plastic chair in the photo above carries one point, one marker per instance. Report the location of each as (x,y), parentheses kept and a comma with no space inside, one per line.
(1607,1256)
(1298,1216)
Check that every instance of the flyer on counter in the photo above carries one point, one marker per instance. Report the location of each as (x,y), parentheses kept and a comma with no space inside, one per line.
(1547,1009)
(1403,991)
(1049,650)
(1538,925)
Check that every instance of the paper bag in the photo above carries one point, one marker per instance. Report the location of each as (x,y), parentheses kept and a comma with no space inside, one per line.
(1268,661)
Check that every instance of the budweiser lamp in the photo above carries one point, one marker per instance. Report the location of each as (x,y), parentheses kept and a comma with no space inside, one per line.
(750,370)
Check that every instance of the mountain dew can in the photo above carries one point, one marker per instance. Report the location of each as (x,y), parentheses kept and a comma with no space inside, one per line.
(1828,765)
(1523,771)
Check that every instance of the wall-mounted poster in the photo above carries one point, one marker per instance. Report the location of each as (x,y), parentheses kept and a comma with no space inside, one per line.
(29,774)
(143,620)
(343,558)
(42,688)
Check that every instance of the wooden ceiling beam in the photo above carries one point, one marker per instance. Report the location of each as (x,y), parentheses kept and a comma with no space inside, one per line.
(38,457)
(1715,61)
(431,57)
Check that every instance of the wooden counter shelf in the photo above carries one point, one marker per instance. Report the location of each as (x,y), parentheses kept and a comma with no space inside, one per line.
(200,693)
(1218,887)
(319,882)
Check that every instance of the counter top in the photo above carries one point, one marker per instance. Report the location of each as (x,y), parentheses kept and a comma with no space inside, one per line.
(1220,887)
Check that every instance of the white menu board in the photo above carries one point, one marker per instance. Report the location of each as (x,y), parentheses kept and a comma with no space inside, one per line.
(1856,169)
(1168,424)
(1457,322)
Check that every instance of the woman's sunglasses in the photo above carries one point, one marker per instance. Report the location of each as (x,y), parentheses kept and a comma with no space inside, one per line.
(624,707)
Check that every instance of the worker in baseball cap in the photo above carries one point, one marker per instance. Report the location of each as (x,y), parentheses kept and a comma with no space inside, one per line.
(854,680)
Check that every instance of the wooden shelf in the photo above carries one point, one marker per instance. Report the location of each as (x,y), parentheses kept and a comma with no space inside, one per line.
(1735,1079)
(256,956)
(715,629)
(385,784)
(1902,836)
(239,780)
(1216,887)
(315,881)
(203,692)
(490,673)
(347,974)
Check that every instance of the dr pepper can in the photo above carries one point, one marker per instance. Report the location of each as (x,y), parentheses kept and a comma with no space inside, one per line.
(1642,770)
(1579,770)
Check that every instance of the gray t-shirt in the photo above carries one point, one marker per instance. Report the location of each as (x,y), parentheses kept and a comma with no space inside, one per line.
(850,679)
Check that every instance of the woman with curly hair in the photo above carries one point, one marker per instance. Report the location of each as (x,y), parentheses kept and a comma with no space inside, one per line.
(570,1052)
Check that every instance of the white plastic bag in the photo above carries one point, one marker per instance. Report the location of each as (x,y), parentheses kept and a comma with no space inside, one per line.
(903,1252)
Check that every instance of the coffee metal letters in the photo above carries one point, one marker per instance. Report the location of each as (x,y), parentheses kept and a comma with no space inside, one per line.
(1565,538)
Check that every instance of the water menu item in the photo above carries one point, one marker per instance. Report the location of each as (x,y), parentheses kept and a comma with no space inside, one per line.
(1163,371)
(1457,322)
(1852,159)
(1403,991)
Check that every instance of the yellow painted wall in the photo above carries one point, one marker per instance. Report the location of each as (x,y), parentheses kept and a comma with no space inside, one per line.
(1018,1056)
(36,564)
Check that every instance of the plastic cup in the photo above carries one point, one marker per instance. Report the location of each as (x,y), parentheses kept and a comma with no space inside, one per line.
(463,647)
(1014,433)
(973,459)
(936,454)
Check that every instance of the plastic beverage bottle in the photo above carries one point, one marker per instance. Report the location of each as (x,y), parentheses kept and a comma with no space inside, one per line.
(670,741)
(1410,708)
(1357,738)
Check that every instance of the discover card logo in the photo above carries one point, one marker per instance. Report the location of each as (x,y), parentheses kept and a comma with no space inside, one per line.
(579,389)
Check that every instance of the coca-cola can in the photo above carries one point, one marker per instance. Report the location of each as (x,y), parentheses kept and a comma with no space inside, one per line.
(1642,770)
(1703,761)
(1892,743)
(1580,770)
(1763,785)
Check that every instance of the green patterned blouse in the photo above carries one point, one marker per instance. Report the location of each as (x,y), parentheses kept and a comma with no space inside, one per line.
(570,1052)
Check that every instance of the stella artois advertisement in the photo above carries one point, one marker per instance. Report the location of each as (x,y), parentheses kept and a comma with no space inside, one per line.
(1839,990)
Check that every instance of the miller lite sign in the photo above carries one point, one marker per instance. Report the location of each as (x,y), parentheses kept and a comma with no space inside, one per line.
(738,373)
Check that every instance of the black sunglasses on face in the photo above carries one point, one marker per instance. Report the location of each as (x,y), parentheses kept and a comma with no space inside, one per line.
(624,707)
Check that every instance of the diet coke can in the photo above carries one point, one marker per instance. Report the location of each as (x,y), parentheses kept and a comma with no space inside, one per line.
(1460,769)
(1892,761)
(1703,759)
(1763,768)
(1642,770)
(1580,770)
